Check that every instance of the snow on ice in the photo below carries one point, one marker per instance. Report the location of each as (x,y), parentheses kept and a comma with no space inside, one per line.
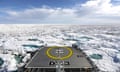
(16,40)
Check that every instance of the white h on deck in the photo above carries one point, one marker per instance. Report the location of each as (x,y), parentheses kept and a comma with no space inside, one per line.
(59,51)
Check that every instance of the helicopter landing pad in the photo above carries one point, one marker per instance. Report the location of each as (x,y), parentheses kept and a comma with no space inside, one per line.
(48,57)
(59,53)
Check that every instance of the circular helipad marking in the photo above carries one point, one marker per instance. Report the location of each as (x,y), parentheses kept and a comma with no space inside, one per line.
(53,56)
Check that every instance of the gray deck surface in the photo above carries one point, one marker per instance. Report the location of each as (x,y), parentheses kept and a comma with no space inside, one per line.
(41,60)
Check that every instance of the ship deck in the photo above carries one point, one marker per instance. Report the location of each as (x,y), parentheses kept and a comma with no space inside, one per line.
(41,60)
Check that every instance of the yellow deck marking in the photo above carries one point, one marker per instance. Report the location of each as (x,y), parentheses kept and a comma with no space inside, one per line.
(57,58)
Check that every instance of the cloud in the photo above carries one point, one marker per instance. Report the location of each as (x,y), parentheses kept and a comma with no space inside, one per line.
(44,14)
(100,7)
(99,11)
(34,13)
(92,11)
(39,13)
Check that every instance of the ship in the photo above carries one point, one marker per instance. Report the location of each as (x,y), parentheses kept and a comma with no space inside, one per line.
(60,59)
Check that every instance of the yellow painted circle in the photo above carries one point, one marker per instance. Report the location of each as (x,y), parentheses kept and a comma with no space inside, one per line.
(57,58)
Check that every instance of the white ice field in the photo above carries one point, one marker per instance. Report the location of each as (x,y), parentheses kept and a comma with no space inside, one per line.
(101,40)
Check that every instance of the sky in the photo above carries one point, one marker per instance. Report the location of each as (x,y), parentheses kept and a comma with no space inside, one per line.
(59,11)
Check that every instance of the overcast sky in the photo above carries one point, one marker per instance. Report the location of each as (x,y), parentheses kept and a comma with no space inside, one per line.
(59,11)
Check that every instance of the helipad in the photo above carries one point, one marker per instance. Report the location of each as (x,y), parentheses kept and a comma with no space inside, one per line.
(70,58)
(59,53)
